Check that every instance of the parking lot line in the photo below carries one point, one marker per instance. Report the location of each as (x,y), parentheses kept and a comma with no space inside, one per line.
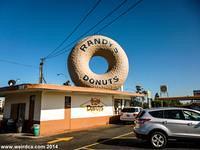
(89,149)
(96,143)
(60,140)
(128,138)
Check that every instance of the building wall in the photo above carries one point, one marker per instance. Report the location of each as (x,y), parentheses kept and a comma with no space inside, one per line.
(22,98)
(50,110)
(81,117)
(52,106)
(80,102)
(52,119)
(53,112)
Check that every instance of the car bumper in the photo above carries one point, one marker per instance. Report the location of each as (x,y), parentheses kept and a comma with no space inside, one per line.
(139,133)
(126,119)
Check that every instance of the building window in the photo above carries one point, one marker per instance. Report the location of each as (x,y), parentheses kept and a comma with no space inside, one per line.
(67,101)
(117,106)
(127,103)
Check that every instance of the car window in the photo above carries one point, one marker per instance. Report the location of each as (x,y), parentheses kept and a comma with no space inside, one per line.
(129,110)
(140,114)
(157,114)
(191,115)
(173,114)
(137,110)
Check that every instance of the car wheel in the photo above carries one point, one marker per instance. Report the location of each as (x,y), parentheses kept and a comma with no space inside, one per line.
(158,140)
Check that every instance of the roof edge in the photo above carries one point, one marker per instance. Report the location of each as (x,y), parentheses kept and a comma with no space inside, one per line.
(24,87)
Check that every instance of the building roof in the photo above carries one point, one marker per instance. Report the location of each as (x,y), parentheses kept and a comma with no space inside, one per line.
(181,98)
(71,89)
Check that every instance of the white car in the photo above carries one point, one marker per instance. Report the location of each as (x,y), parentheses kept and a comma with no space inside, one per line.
(129,113)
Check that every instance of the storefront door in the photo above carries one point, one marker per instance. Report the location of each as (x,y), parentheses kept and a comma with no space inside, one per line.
(18,115)
(18,112)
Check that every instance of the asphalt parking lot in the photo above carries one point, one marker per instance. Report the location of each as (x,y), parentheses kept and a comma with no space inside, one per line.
(118,136)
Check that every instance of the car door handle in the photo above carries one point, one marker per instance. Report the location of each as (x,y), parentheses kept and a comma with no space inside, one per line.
(164,122)
(189,124)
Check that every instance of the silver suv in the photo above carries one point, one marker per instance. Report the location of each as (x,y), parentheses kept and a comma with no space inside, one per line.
(160,124)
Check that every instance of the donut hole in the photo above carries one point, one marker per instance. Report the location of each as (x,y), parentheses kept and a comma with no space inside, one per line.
(98,65)
(108,55)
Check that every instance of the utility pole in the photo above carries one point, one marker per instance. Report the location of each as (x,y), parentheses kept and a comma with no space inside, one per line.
(41,77)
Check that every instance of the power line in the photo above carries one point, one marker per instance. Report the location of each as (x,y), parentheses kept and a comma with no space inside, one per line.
(99,22)
(16,63)
(122,14)
(62,52)
(75,29)
(108,24)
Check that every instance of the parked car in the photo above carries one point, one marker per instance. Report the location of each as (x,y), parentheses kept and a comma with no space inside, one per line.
(129,113)
(161,124)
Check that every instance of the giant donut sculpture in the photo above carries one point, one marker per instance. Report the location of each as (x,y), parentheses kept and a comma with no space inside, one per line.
(98,45)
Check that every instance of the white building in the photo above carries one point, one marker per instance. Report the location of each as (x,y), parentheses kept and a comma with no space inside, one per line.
(58,108)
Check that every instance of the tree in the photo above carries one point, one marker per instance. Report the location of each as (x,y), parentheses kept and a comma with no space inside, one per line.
(156,96)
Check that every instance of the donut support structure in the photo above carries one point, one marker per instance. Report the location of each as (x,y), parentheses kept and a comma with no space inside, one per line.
(98,45)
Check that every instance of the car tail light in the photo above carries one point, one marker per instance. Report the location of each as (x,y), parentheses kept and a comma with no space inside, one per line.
(134,115)
(142,121)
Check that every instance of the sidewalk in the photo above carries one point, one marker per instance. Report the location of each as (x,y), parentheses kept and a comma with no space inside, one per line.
(20,135)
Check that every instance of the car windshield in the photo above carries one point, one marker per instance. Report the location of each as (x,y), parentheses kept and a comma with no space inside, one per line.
(130,110)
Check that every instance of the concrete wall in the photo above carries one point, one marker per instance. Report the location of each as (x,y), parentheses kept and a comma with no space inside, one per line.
(22,98)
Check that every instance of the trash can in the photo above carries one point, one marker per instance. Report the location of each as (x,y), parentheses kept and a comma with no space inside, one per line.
(36,129)
(10,126)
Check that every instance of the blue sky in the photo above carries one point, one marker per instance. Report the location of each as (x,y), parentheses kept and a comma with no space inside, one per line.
(161,39)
